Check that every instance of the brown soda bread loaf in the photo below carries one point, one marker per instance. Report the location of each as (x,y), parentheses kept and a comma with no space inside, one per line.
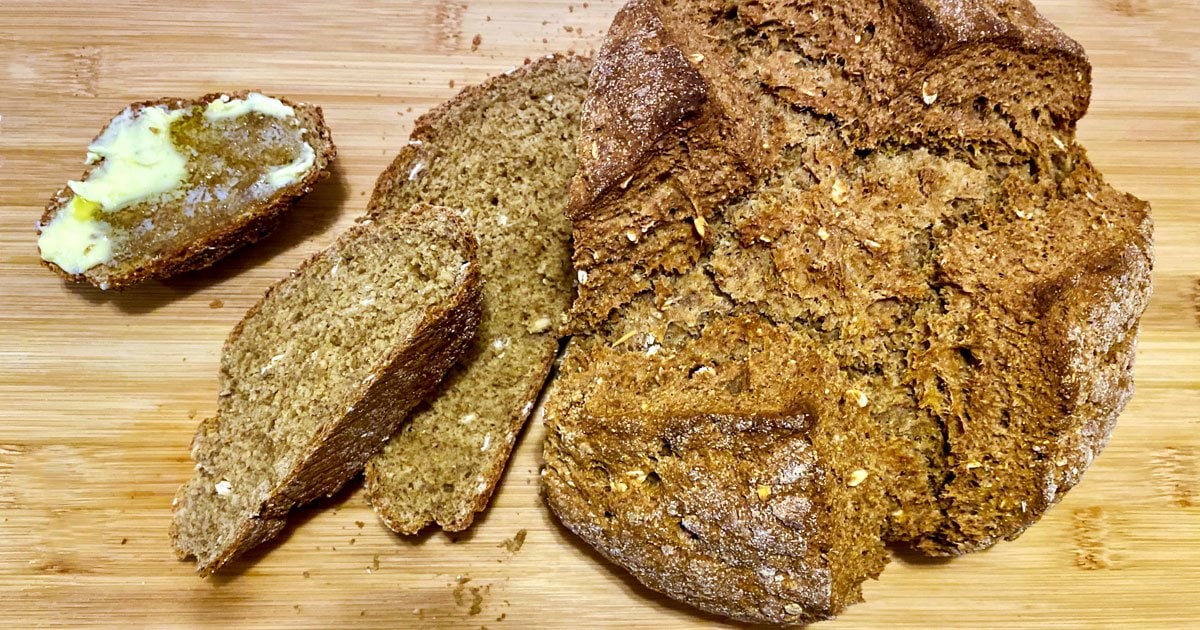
(845,279)
(223,202)
(505,152)
(321,372)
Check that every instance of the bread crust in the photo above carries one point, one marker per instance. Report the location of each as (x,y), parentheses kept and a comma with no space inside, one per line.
(669,137)
(412,371)
(245,229)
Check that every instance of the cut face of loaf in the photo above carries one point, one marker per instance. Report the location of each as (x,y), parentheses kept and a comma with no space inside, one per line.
(868,233)
(174,185)
(322,371)
(505,152)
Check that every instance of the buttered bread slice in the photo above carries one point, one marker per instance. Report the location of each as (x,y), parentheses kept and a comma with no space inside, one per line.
(174,185)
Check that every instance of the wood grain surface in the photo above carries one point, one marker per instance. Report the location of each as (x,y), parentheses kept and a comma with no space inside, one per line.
(100,393)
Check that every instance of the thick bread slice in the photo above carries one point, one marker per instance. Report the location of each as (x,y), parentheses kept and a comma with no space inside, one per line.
(845,279)
(225,201)
(322,370)
(504,151)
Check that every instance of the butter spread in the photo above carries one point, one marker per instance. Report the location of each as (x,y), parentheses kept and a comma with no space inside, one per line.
(254,102)
(140,160)
(281,176)
(74,240)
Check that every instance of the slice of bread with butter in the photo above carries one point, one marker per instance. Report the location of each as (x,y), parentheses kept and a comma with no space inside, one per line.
(174,185)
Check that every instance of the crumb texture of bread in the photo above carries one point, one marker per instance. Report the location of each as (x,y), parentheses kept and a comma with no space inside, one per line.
(504,151)
(321,372)
(845,280)
(238,176)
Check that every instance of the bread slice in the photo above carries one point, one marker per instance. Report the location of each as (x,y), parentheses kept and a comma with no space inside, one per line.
(504,151)
(321,371)
(845,280)
(179,184)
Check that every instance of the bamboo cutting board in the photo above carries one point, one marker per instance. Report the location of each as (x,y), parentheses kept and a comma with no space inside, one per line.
(100,393)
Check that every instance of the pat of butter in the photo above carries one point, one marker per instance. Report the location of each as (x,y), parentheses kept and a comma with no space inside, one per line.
(74,240)
(281,176)
(254,102)
(140,161)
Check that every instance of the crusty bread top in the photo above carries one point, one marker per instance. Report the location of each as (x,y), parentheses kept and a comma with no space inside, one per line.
(254,222)
(893,194)
(648,81)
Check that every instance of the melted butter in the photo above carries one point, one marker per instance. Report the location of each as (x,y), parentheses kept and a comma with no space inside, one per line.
(281,176)
(140,160)
(254,102)
(149,158)
(74,239)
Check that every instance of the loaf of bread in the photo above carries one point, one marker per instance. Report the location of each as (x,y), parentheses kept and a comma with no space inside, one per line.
(845,280)
(505,152)
(174,185)
(322,371)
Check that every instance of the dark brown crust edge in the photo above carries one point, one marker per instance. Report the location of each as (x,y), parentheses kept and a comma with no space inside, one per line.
(412,371)
(245,230)
(426,130)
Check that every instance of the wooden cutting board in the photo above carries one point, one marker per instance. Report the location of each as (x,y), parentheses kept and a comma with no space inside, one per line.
(100,393)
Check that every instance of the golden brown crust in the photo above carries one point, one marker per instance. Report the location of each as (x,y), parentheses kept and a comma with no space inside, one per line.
(768,169)
(247,228)
(412,372)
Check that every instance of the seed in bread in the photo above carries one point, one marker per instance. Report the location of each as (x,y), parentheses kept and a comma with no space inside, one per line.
(321,372)
(176,184)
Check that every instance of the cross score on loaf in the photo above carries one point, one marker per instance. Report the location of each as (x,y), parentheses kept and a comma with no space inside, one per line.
(845,279)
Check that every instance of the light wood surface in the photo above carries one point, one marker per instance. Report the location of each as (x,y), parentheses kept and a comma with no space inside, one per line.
(100,393)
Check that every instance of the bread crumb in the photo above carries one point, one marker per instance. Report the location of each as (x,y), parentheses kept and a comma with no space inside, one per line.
(857,477)
(216,304)
(859,396)
(515,543)
(476,41)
